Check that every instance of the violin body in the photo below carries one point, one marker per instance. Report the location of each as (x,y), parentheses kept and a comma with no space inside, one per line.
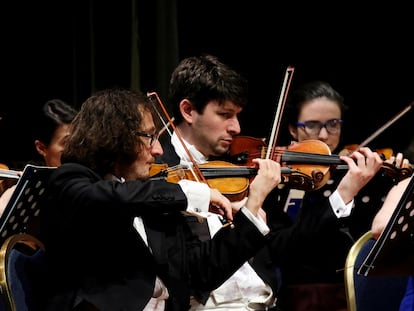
(318,172)
(231,180)
(244,149)
(385,153)
(309,161)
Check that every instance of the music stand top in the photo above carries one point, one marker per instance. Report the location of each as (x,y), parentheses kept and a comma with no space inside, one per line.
(393,252)
(23,206)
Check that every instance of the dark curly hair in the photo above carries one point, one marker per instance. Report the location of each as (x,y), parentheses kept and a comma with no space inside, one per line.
(104,131)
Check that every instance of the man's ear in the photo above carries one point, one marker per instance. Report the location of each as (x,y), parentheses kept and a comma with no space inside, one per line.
(40,147)
(293,130)
(186,108)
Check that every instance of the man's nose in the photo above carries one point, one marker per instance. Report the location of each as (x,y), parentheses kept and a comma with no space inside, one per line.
(156,149)
(234,126)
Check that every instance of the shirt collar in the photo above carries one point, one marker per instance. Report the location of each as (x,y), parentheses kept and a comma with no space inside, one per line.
(180,150)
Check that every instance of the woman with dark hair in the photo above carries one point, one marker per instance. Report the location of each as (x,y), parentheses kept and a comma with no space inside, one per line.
(49,137)
(322,223)
(54,123)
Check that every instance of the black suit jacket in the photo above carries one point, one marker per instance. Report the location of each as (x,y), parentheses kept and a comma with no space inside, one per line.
(313,248)
(96,255)
(261,262)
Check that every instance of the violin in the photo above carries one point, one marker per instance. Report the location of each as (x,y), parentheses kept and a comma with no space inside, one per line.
(7,177)
(312,158)
(230,179)
(234,185)
(385,153)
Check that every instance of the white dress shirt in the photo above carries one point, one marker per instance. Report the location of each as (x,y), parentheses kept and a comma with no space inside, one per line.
(244,290)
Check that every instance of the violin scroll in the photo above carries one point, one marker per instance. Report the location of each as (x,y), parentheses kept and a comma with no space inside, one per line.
(397,174)
(301,181)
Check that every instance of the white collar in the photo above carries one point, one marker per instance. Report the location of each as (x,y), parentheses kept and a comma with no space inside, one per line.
(180,150)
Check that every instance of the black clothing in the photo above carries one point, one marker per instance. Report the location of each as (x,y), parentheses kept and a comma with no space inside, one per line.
(313,249)
(261,262)
(97,257)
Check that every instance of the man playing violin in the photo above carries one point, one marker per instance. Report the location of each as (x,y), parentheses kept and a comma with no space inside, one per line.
(326,222)
(207,97)
(118,240)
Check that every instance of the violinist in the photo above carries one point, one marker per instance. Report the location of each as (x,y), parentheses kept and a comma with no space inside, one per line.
(118,240)
(379,223)
(383,216)
(207,97)
(326,222)
(49,135)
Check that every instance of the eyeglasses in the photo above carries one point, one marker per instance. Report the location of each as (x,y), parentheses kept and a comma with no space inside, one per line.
(152,137)
(332,126)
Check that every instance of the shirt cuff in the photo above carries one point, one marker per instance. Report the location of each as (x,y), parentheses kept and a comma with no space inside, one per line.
(257,221)
(198,196)
(339,207)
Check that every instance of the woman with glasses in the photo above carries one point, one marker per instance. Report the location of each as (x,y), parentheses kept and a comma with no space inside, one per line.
(322,224)
(315,111)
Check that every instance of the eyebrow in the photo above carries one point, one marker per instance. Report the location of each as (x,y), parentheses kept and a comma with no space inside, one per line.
(153,128)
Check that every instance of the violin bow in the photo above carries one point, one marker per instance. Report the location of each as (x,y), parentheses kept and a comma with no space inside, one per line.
(280,106)
(385,126)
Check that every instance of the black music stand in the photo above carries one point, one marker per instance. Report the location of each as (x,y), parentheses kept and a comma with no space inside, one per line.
(393,252)
(22,209)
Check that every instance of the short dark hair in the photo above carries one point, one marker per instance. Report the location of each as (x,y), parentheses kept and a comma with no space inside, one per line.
(202,79)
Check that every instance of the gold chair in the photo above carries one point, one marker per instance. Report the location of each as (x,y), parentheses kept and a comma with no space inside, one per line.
(21,271)
(350,270)
(370,293)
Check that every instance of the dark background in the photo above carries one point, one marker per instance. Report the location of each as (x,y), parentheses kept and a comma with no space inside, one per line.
(68,49)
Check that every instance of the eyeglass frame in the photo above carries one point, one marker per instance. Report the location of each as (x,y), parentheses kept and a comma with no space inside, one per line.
(320,124)
(153,137)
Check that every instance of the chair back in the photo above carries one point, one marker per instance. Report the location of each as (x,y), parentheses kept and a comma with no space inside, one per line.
(370,293)
(22,266)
